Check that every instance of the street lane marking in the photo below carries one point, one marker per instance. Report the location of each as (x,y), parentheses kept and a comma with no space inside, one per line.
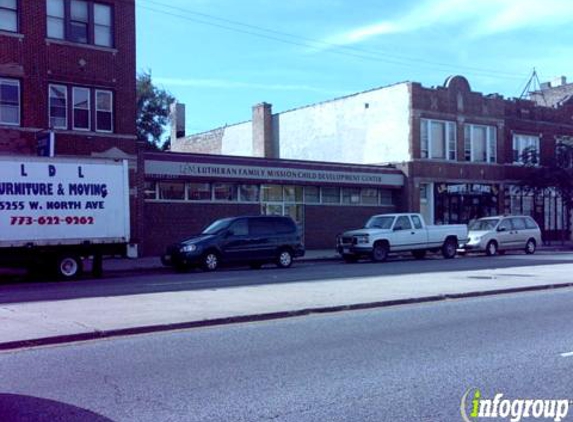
(567,355)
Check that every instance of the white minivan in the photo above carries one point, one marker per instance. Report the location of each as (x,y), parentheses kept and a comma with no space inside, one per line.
(494,235)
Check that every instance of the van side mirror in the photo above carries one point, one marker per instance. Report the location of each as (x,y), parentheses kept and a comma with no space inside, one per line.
(501,229)
(229,233)
(397,228)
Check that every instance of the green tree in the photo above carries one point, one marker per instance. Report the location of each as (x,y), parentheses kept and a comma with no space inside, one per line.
(153,109)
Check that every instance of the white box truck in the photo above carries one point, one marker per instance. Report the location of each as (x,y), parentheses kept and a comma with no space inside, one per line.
(55,212)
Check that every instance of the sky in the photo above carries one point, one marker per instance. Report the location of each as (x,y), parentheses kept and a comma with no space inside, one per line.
(221,57)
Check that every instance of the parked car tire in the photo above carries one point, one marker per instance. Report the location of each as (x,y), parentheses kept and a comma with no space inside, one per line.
(284,258)
(69,267)
(530,247)
(419,254)
(491,248)
(380,252)
(449,248)
(210,261)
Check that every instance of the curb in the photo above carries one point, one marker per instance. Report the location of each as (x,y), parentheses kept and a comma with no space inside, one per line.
(97,335)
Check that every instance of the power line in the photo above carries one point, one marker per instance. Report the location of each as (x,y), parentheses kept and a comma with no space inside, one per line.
(279,36)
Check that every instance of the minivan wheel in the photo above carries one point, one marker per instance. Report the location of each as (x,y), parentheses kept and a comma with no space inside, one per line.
(491,248)
(284,260)
(380,252)
(530,247)
(69,267)
(449,248)
(210,261)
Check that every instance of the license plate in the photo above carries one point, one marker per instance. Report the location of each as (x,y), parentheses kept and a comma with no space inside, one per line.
(345,250)
(167,258)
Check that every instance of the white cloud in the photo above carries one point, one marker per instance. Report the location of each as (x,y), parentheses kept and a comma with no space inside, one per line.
(476,18)
(231,84)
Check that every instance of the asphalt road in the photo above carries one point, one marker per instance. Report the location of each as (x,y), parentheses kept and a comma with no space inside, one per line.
(411,363)
(165,280)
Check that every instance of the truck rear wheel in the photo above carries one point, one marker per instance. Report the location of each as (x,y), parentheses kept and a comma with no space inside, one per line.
(69,267)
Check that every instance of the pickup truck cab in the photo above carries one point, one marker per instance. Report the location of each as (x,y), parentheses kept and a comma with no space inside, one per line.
(389,233)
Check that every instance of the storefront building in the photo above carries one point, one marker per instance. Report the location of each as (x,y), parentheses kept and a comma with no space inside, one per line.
(185,192)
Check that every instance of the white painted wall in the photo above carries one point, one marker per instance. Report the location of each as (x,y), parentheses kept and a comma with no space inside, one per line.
(238,139)
(345,130)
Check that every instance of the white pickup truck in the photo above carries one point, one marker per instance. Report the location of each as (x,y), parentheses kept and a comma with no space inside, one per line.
(387,233)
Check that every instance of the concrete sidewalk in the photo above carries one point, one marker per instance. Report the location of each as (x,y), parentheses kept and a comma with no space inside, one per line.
(25,324)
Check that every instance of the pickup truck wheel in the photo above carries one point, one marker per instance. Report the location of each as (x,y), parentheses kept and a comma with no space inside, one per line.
(491,248)
(380,252)
(419,254)
(69,267)
(449,248)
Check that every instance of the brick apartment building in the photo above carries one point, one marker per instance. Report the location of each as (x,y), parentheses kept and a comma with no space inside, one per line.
(460,150)
(67,66)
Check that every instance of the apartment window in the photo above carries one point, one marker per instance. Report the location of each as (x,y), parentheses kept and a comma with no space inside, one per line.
(480,143)
(80,21)
(10,102)
(150,190)
(58,97)
(102,25)
(526,149)
(9,15)
(81,100)
(56,19)
(438,139)
(564,152)
(104,111)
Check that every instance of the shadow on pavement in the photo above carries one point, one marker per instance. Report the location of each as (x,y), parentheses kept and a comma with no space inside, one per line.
(18,408)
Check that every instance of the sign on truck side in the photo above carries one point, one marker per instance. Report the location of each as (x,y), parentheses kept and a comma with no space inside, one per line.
(56,202)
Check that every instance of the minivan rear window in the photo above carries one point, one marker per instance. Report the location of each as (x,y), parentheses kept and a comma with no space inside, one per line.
(270,226)
(518,223)
(530,223)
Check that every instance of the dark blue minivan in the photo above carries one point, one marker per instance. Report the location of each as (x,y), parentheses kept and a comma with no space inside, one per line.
(253,241)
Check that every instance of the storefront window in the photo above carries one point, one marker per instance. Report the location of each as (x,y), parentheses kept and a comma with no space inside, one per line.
(386,197)
(330,195)
(462,202)
(225,192)
(293,193)
(174,191)
(369,196)
(199,191)
(150,191)
(272,193)
(249,193)
(312,194)
(351,196)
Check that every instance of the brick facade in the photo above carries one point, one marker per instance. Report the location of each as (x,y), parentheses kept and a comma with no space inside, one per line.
(36,61)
